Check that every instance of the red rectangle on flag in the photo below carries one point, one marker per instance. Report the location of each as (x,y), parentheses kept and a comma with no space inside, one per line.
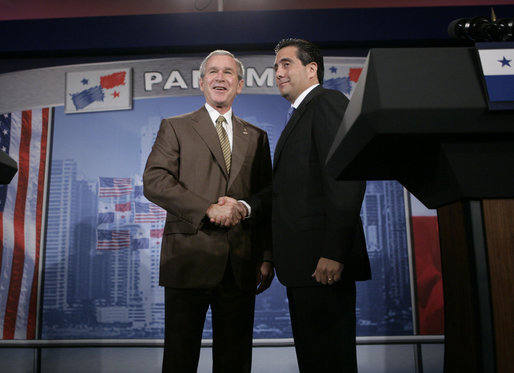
(113,80)
(156,233)
(122,206)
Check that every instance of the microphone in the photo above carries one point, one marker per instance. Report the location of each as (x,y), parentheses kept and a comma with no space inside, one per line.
(481,29)
(506,25)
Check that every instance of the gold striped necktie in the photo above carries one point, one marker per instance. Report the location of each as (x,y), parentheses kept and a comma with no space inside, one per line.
(225,144)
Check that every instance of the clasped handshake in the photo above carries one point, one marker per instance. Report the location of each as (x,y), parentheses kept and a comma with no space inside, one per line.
(227,212)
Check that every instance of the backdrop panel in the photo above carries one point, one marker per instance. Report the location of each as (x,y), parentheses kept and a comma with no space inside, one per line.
(102,238)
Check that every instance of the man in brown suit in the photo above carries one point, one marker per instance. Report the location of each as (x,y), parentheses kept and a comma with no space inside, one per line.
(209,174)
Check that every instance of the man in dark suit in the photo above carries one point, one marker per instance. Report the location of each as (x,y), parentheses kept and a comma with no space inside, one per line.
(318,240)
(208,172)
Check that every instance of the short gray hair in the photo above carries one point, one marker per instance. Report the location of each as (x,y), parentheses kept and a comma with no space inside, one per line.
(221,52)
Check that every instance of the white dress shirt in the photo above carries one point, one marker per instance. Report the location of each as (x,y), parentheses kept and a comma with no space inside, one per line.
(300,98)
(227,124)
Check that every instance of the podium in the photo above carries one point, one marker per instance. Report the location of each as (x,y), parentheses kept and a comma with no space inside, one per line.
(420,116)
(8,168)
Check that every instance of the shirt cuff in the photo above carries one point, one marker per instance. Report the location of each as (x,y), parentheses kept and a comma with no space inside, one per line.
(248,208)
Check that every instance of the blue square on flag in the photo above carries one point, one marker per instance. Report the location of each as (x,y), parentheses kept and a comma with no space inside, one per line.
(498,69)
(100,90)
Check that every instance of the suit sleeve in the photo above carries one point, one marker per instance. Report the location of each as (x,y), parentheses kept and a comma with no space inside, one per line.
(161,179)
(342,199)
(260,200)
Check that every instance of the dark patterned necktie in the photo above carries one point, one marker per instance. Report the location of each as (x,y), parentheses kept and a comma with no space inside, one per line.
(225,144)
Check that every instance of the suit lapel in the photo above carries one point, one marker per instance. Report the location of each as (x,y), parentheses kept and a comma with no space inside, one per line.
(205,128)
(292,123)
(240,141)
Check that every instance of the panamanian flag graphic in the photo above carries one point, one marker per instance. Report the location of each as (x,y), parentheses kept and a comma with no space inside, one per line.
(343,75)
(100,90)
(498,69)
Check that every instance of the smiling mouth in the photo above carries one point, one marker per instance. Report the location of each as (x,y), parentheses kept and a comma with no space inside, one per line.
(220,89)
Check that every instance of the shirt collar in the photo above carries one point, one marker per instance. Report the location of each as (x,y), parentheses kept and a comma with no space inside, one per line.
(300,98)
(214,114)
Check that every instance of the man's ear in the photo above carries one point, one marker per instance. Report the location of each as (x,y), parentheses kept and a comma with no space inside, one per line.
(200,83)
(313,70)
(240,86)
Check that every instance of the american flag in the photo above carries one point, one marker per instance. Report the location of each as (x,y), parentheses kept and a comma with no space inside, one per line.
(23,135)
(149,213)
(116,239)
(115,186)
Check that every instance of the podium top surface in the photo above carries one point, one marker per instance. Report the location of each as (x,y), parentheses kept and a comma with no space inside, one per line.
(420,116)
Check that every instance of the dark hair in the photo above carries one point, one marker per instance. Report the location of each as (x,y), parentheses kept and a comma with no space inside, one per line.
(307,53)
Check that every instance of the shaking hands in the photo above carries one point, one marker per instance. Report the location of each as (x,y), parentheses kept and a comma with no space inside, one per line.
(227,212)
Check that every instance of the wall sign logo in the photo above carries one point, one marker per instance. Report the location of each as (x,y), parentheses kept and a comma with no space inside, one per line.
(100,90)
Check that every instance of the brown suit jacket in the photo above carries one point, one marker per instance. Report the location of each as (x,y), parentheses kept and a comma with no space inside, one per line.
(184,174)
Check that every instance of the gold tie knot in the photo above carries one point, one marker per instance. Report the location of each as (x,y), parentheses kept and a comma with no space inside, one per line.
(220,120)
(224,142)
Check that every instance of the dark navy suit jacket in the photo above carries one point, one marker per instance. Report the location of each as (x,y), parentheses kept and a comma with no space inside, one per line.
(313,214)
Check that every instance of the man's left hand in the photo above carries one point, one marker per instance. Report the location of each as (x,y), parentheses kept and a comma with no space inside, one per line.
(328,271)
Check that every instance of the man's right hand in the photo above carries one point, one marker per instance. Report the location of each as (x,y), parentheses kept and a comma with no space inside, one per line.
(227,212)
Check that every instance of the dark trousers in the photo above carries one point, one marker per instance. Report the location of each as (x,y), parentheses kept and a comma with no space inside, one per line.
(323,323)
(232,327)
